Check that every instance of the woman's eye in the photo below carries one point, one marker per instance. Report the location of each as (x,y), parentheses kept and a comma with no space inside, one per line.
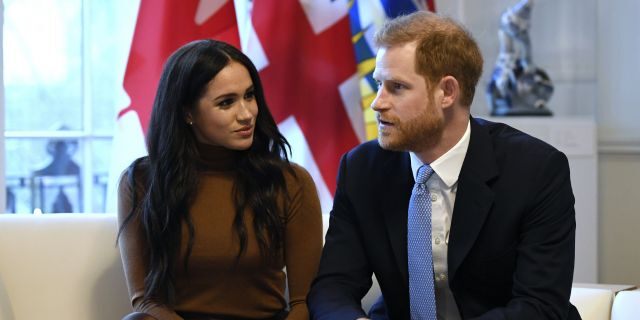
(250,95)
(226,102)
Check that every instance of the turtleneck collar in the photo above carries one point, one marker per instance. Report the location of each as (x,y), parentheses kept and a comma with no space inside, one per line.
(216,158)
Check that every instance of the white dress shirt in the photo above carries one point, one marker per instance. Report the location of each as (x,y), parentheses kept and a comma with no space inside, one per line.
(442,186)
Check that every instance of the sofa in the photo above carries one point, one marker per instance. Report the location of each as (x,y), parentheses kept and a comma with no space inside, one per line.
(61,266)
(67,266)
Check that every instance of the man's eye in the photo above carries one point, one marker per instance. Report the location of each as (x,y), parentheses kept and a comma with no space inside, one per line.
(398,86)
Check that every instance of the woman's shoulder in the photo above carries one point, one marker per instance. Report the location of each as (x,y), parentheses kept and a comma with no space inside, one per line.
(302,194)
(297,174)
(132,187)
(135,174)
(299,181)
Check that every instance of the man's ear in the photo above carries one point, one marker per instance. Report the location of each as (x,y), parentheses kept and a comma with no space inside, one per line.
(450,91)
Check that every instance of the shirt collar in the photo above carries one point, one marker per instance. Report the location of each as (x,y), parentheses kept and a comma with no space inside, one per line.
(447,166)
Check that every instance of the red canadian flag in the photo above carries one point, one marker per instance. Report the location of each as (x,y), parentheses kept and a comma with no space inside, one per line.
(303,51)
(308,67)
(162,27)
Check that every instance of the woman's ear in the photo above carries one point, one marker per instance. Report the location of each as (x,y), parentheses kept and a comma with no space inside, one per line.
(188,118)
(450,91)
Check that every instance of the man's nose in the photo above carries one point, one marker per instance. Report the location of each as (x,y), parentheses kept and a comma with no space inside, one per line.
(381,101)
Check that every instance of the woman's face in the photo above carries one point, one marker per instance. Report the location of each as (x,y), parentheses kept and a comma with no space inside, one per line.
(226,114)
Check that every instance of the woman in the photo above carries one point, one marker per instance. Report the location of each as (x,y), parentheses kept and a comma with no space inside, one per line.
(211,217)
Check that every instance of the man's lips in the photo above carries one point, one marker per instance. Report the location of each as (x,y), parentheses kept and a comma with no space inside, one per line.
(384,122)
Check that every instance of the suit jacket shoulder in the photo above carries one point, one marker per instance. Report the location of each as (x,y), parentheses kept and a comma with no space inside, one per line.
(513,198)
(506,139)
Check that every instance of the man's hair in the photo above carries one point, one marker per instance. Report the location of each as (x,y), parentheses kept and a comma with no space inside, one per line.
(444,47)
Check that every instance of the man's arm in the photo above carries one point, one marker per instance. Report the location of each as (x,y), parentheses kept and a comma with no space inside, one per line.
(545,257)
(344,275)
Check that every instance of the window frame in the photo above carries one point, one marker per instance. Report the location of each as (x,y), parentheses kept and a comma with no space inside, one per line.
(3,178)
(85,137)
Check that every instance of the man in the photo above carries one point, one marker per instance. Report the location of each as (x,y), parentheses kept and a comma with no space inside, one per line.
(497,204)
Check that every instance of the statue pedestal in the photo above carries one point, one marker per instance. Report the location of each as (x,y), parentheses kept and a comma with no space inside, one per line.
(520,111)
(577,138)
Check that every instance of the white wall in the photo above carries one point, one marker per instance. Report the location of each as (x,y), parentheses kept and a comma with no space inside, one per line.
(619,72)
(619,218)
(619,131)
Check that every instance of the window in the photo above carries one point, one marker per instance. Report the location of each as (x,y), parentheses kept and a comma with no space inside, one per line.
(63,66)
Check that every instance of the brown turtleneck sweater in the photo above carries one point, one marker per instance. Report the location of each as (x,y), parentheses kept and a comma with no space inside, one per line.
(212,286)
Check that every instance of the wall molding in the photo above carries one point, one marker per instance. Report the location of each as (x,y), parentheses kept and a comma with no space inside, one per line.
(619,147)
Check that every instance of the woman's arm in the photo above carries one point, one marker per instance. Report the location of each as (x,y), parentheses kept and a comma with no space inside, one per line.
(134,254)
(303,241)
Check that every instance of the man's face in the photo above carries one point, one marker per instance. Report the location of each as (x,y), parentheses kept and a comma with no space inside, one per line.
(408,117)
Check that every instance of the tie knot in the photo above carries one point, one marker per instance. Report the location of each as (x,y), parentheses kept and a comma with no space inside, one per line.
(424,173)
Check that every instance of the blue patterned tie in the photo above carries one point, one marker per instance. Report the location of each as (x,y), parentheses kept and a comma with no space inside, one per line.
(421,288)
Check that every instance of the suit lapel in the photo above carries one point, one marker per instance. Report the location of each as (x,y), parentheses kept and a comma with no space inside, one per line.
(474,196)
(396,182)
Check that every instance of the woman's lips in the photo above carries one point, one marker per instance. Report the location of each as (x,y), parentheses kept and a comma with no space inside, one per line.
(245,131)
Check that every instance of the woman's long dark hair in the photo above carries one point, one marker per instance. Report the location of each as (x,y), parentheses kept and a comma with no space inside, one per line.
(172,177)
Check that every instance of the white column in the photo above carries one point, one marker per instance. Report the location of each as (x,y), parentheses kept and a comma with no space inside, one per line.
(3,192)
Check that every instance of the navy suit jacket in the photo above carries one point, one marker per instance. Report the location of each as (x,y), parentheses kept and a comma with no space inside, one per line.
(512,238)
